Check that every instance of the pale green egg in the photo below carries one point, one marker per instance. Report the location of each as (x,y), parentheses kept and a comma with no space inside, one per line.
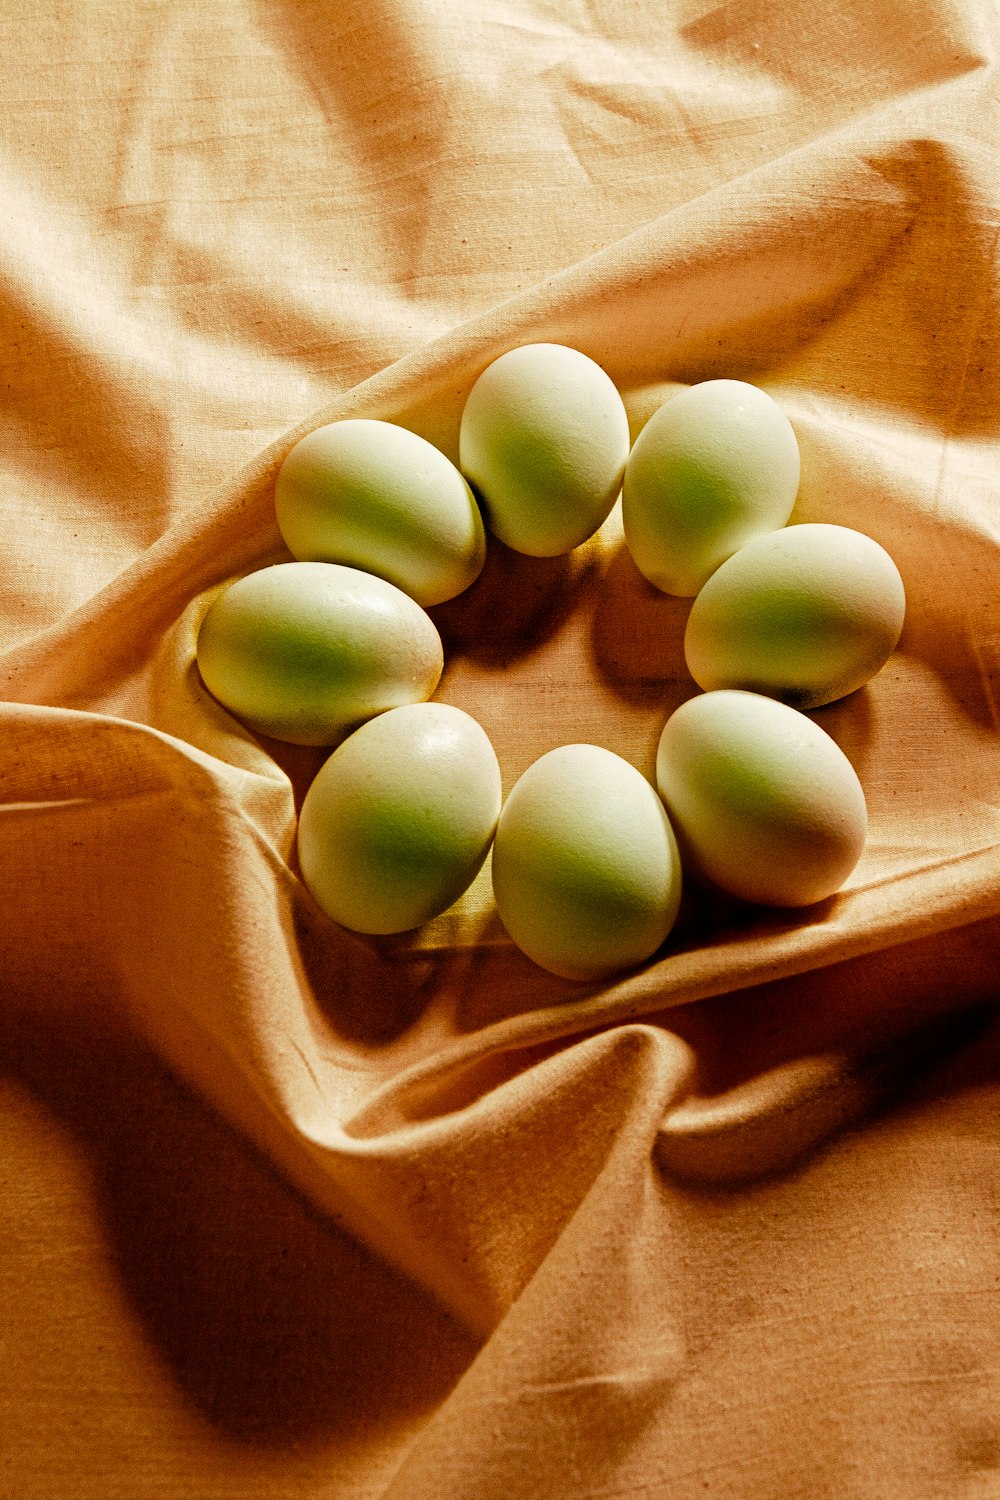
(305,651)
(586,873)
(399,820)
(376,496)
(765,803)
(805,615)
(543,441)
(716,465)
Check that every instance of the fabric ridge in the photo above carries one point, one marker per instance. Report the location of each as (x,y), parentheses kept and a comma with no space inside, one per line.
(293,1212)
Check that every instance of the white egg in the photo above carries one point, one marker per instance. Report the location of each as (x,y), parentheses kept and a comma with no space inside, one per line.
(805,615)
(375,496)
(544,439)
(765,803)
(716,465)
(586,873)
(399,820)
(304,651)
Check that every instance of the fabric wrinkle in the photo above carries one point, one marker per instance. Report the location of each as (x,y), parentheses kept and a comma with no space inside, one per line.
(288,1210)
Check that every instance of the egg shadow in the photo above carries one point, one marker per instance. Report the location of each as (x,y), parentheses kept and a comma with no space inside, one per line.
(717,919)
(637,637)
(497,982)
(516,604)
(370,990)
(850,721)
(711,918)
(300,763)
(940,634)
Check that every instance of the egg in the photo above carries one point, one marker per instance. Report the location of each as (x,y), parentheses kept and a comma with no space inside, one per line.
(805,615)
(304,651)
(713,467)
(399,820)
(765,803)
(586,873)
(544,438)
(376,496)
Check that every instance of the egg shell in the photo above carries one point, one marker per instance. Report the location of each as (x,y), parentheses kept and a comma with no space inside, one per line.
(305,651)
(399,820)
(586,872)
(805,615)
(713,467)
(376,496)
(765,803)
(544,439)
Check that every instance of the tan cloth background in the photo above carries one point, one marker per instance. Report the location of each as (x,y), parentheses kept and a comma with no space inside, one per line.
(291,1213)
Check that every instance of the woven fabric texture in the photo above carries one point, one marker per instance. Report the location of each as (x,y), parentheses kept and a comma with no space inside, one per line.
(296,1213)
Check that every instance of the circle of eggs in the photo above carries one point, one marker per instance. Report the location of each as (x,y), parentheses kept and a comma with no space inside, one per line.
(715,466)
(765,803)
(806,615)
(399,820)
(379,497)
(304,651)
(586,872)
(544,438)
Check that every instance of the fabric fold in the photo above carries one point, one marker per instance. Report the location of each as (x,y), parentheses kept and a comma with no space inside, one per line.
(715,1225)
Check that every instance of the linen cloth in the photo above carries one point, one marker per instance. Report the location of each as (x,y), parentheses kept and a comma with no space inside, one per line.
(292,1212)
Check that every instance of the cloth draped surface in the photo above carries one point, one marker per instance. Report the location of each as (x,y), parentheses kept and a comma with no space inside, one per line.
(292,1212)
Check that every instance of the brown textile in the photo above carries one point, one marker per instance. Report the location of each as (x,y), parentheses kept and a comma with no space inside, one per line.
(287,1212)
